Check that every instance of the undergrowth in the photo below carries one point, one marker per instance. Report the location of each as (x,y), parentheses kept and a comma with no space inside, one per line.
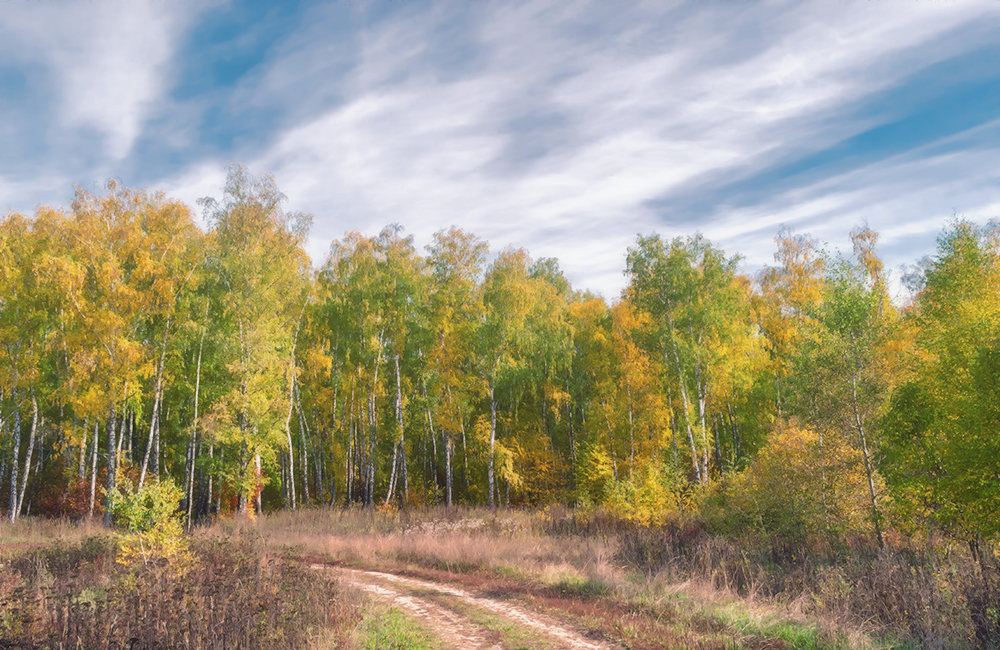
(234,593)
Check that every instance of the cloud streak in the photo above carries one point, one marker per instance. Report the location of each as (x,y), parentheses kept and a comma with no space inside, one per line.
(108,60)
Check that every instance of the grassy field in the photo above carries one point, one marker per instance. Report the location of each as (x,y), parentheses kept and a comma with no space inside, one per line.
(425,578)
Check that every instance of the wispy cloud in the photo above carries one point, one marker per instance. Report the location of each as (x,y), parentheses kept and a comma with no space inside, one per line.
(101,66)
(623,117)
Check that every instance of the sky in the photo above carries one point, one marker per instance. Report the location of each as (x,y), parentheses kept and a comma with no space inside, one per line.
(565,127)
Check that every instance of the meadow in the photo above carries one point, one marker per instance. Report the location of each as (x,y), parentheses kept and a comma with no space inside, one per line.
(302,579)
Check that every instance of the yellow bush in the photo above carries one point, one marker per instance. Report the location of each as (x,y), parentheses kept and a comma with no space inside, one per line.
(155,529)
(802,486)
(656,495)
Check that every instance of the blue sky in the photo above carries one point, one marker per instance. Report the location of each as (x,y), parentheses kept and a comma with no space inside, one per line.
(563,127)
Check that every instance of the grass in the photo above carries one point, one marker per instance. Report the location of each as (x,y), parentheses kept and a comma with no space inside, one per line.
(520,548)
(582,587)
(388,628)
(795,634)
(30,533)
(641,587)
(216,593)
(511,635)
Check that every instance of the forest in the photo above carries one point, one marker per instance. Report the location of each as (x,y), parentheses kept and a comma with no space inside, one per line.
(800,402)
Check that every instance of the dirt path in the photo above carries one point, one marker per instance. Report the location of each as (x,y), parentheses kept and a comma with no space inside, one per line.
(420,598)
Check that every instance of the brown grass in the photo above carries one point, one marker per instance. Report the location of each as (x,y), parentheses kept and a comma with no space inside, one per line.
(850,596)
(59,584)
(543,550)
(32,532)
(232,593)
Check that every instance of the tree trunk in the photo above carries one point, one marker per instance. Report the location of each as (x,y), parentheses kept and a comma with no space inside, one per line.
(686,403)
(112,463)
(93,465)
(303,437)
(157,397)
(447,470)
(372,428)
(402,435)
(434,459)
(876,516)
(290,477)
(27,458)
(15,453)
(291,392)
(572,433)
(81,472)
(631,434)
(194,432)
(465,452)
(370,473)
(701,384)
(151,440)
(611,441)
(258,486)
(493,435)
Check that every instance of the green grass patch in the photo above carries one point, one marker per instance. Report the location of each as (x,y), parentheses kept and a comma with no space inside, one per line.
(390,629)
(581,587)
(797,635)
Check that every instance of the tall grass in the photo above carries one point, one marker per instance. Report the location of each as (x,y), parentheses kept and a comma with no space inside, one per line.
(229,593)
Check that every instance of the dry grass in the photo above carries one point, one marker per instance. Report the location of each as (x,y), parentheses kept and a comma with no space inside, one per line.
(542,548)
(697,585)
(223,593)
(859,596)
(32,532)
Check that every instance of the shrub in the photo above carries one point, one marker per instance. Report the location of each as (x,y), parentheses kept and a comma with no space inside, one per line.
(656,495)
(801,489)
(151,515)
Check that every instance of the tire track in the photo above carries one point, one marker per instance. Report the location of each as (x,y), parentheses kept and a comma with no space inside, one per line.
(454,628)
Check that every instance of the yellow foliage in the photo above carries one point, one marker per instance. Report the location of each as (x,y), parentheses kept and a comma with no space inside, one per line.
(655,496)
(803,485)
(155,532)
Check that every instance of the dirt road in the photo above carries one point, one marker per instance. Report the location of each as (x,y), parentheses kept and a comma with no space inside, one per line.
(463,618)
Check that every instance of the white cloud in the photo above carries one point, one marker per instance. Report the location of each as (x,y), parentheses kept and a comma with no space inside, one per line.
(201,181)
(26,194)
(110,59)
(644,102)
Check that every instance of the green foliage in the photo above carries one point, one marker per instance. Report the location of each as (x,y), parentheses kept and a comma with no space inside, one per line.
(152,516)
(941,445)
(154,506)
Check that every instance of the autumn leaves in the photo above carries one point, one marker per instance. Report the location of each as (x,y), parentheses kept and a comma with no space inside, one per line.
(135,343)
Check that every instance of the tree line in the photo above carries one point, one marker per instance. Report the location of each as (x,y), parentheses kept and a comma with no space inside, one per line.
(137,347)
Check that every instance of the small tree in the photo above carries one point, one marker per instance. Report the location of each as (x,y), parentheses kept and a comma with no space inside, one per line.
(153,518)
